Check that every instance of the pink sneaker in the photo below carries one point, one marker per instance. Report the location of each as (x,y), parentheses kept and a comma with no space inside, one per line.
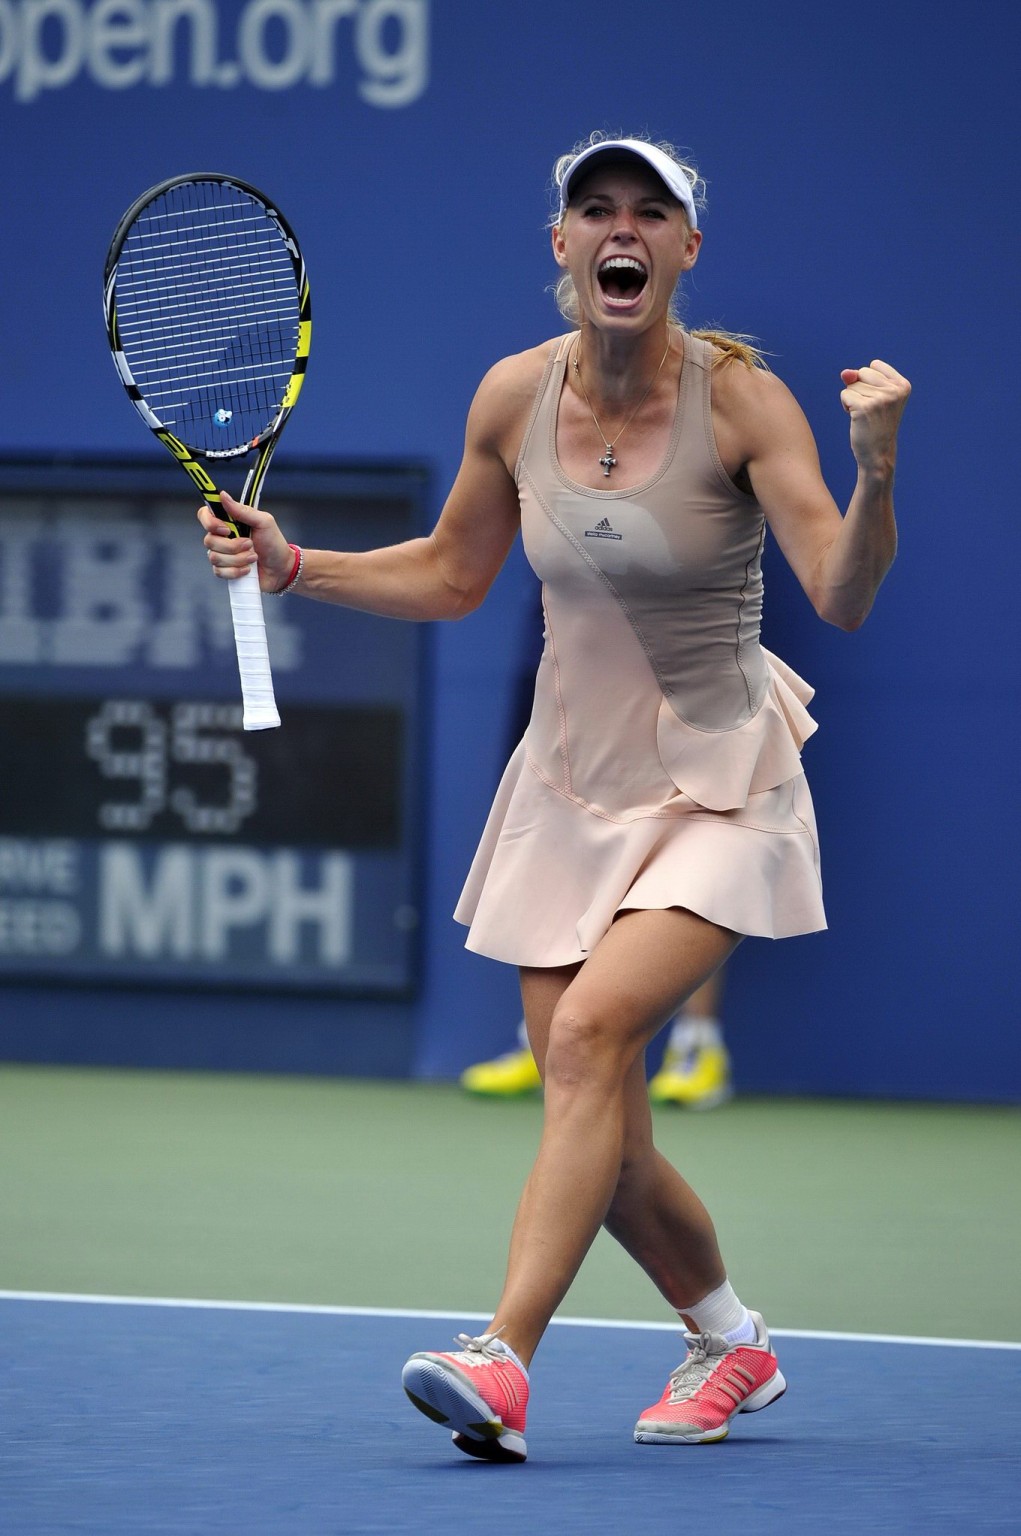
(716,1381)
(480,1390)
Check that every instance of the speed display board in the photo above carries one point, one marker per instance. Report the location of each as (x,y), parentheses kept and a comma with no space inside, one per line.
(143,834)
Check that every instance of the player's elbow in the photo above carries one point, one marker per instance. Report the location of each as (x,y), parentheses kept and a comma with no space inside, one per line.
(459,604)
(849,623)
(846,600)
(839,607)
(458,591)
(460,587)
(844,610)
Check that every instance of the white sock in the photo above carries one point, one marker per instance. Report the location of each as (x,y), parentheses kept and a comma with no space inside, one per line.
(722,1311)
(505,1347)
(689,1031)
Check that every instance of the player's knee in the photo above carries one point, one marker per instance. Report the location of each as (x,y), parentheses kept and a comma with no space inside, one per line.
(584,1046)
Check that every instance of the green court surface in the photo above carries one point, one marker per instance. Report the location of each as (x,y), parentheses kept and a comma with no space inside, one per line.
(859,1217)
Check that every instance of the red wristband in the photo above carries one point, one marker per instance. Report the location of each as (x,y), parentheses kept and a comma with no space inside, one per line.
(299,560)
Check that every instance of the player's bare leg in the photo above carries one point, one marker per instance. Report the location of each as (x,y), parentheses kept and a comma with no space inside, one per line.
(589,1026)
(657,1217)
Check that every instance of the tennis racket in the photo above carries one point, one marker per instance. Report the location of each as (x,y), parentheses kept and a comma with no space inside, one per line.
(209,321)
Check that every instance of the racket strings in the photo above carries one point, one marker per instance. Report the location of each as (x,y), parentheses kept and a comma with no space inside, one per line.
(208,314)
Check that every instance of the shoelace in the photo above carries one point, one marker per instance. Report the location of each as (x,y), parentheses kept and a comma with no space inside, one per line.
(484,1346)
(694,1371)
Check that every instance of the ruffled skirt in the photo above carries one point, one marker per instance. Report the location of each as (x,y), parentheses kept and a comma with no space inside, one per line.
(553,870)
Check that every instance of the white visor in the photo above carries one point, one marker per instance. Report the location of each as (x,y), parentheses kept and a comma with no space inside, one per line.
(670,174)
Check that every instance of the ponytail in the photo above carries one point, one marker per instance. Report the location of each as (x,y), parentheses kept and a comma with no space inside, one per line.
(733,347)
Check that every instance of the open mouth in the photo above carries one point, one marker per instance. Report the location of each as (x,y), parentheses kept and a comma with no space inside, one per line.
(622,278)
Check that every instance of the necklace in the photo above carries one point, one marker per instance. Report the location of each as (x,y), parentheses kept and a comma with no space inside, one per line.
(608,460)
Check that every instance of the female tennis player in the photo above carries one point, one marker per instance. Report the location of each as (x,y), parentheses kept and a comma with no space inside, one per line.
(656,810)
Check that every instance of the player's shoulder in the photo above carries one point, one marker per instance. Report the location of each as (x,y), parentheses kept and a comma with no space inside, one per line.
(519,374)
(739,379)
(507,392)
(753,396)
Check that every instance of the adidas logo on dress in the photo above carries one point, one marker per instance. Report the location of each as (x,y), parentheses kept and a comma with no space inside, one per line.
(602,530)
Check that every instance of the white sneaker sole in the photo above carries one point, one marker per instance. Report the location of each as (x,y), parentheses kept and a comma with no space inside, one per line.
(446,1398)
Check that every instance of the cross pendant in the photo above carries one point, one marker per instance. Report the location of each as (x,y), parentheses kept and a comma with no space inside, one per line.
(608,461)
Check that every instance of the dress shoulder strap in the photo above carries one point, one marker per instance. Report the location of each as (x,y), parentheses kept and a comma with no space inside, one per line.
(554,369)
(701,354)
(698,351)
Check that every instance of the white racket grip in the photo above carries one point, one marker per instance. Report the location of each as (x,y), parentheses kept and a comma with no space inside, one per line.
(260,712)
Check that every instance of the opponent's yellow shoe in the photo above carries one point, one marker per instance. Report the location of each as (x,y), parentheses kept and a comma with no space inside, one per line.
(696,1077)
(507,1077)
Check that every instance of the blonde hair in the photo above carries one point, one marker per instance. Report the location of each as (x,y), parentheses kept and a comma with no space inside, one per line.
(730,346)
(733,347)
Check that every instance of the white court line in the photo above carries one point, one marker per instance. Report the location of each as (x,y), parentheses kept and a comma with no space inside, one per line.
(453,1317)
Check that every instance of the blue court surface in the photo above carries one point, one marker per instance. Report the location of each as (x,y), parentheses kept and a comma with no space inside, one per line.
(205,1418)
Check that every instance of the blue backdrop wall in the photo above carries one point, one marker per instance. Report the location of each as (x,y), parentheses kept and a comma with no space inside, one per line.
(862,170)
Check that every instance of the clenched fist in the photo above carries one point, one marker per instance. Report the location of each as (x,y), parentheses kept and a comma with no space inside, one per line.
(874,397)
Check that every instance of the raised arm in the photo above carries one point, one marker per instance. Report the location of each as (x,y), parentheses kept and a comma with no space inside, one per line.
(442,576)
(840,561)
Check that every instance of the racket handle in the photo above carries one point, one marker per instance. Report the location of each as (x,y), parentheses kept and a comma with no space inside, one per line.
(260,713)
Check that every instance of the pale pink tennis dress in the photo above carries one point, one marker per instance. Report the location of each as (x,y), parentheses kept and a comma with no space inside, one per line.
(661,766)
